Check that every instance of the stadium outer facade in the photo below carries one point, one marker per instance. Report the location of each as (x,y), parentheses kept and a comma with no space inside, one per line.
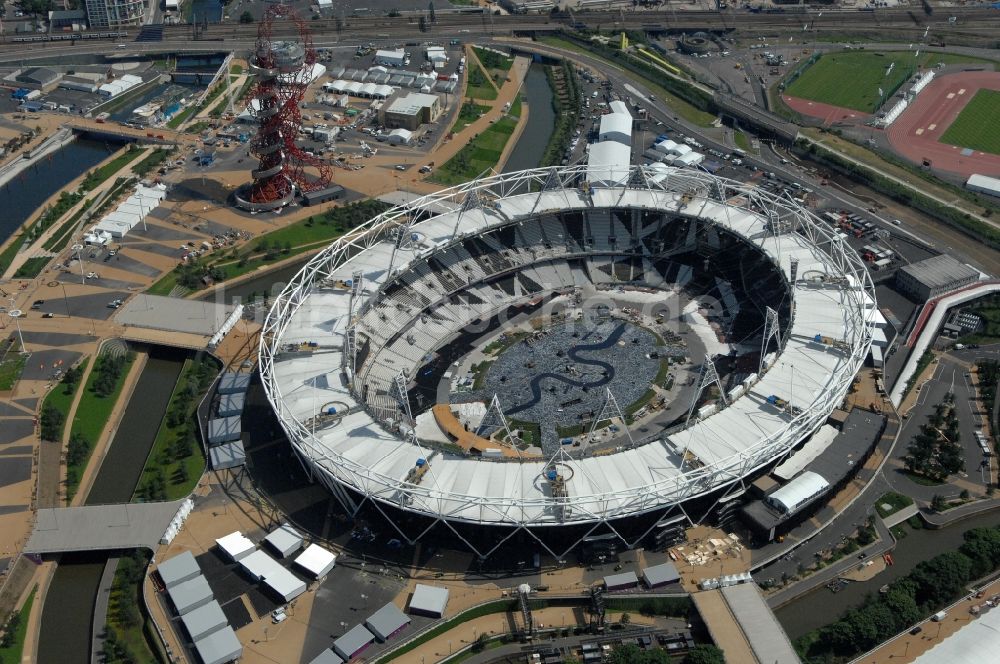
(383,297)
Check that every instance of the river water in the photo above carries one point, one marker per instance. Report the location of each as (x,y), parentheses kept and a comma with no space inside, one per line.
(822,606)
(530,147)
(22,196)
(68,613)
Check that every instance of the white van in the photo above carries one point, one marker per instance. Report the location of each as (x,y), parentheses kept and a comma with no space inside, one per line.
(939,616)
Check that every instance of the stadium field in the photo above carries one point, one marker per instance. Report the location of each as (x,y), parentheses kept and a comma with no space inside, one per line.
(976,126)
(852,80)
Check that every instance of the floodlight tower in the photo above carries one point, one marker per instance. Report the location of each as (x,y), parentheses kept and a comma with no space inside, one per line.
(283,70)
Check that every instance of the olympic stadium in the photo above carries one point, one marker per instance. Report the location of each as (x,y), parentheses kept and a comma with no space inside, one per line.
(374,352)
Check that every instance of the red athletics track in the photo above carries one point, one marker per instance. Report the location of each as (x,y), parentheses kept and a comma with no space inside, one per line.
(917,132)
(828,113)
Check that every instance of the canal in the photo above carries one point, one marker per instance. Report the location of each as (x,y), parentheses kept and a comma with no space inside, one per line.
(68,612)
(530,147)
(23,195)
(822,606)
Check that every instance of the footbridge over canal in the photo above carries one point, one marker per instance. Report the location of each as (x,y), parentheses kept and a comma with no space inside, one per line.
(101,527)
(113,131)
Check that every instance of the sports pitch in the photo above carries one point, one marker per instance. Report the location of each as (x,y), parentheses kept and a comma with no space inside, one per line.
(852,80)
(976,126)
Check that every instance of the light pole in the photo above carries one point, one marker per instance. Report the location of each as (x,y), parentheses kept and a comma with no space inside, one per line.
(16,314)
(65,299)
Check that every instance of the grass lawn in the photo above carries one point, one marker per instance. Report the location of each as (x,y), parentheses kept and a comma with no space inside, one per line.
(12,653)
(896,502)
(851,79)
(10,371)
(97,176)
(827,79)
(469,113)
(32,267)
(123,601)
(161,456)
(479,86)
(742,140)
(482,153)
(61,400)
(309,234)
(91,416)
(976,126)
(493,60)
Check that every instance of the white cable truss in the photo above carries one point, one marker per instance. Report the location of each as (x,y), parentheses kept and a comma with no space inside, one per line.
(649,475)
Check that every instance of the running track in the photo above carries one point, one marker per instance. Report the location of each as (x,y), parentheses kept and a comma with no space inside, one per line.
(828,113)
(917,132)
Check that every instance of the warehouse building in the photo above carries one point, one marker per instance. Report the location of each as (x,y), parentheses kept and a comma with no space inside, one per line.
(429,601)
(317,561)
(616,127)
(934,276)
(411,110)
(387,622)
(660,575)
(353,642)
(190,595)
(182,567)
(219,647)
(285,540)
(983,184)
(623,581)
(204,620)
(35,78)
(319,196)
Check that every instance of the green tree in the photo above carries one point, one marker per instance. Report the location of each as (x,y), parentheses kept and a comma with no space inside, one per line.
(246,17)
(939,503)
(422,24)
(430,11)
(704,654)
(51,422)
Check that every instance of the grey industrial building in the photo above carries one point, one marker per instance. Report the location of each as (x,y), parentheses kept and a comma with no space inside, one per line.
(429,601)
(182,567)
(622,581)
(934,276)
(660,575)
(387,621)
(354,641)
(411,110)
(37,78)
(331,193)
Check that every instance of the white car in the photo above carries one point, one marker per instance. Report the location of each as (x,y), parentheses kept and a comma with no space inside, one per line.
(92,275)
(278,616)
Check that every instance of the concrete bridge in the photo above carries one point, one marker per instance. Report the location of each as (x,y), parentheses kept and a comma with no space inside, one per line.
(101,527)
(116,132)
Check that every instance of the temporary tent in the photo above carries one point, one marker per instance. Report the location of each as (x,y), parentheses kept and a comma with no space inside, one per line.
(285,540)
(236,546)
(316,560)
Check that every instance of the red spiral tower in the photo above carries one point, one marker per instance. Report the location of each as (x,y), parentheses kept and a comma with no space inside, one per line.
(283,70)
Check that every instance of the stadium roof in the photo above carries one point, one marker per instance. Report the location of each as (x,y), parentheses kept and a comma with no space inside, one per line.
(798,461)
(362,453)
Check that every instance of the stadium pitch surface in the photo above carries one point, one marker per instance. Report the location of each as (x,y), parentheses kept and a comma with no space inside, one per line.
(976,126)
(852,80)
